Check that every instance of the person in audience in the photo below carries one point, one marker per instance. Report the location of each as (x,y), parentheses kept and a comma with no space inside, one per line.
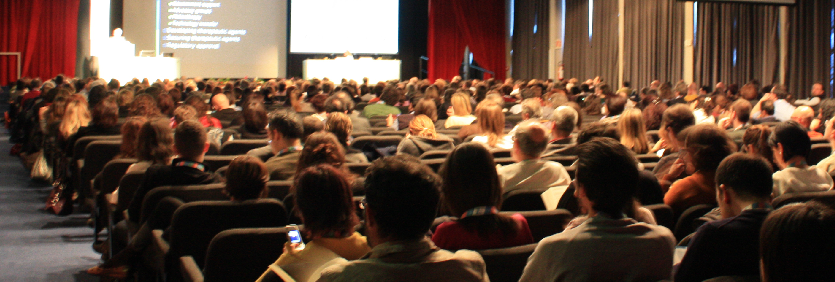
(401,199)
(608,246)
(828,163)
(766,114)
(704,148)
(318,104)
(285,131)
(324,199)
(614,108)
(311,125)
(730,246)
(246,179)
(390,97)
(224,111)
(737,123)
(755,142)
(825,111)
(803,115)
(197,102)
(791,145)
(817,95)
(564,119)
(76,116)
(491,122)
(130,131)
(340,125)
(530,172)
(125,98)
(633,133)
(671,167)
(702,106)
(105,121)
(782,109)
(341,102)
(422,138)
(472,191)
(166,104)
(255,122)
(421,107)
(796,243)
(145,105)
(475,128)
(461,109)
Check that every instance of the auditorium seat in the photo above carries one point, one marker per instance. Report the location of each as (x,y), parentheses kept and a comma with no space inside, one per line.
(225,260)
(190,193)
(507,264)
(504,161)
(81,144)
(214,163)
(357,168)
(241,146)
(214,149)
(663,215)
(501,153)
(818,153)
(378,141)
(105,182)
(686,221)
(652,135)
(96,156)
(279,189)
(356,134)
(401,133)
(648,158)
(544,223)
(375,130)
(565,161)
(434,164)
(437,154)
(524,200)
(819,140)
(825,197)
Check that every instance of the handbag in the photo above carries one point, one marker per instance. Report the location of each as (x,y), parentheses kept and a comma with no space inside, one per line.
(59,201)
(41,170)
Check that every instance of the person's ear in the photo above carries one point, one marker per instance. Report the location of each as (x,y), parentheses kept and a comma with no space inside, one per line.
(725,194)
(206,147)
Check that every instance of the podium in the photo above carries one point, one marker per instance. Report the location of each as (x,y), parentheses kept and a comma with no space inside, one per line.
(337,69)
(116,59)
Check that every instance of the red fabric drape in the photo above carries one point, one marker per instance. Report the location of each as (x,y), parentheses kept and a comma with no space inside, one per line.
(44,32)
(455,24)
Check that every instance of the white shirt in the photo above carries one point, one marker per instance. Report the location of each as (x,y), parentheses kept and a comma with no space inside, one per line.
(505,142)
(809,179)
(533,174)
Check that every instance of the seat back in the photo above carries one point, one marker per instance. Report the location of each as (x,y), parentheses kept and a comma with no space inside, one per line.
(401,133)
(112,174)
(242,254)
(434,164)
(436,154)
(684,224)
(825,197)
(128,185)
(507,264)
(379,141)
(375,130)
(194,225)
(214,163)
(524,200)
(279,189)
(96,155)
(356,134)
(663,215)
(818,153)
(501,153)
(191,193)
(80,145)
(565,161)
(648,158)
(819,140)
(241,146)
(545,223)
(357,168)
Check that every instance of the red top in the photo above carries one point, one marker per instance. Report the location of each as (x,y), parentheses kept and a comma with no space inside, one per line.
(452,235)
(209,121)
(30,95)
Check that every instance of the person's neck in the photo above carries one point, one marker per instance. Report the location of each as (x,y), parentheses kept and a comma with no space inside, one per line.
(737,207)
(559,136)
(198,159)
(737,124)
(278,146)
(796,161)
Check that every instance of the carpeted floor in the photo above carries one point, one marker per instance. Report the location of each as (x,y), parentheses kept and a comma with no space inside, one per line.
(34,245)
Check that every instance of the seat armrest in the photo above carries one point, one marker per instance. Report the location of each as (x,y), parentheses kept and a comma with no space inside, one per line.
(154,257)
(191,272)
(159,243)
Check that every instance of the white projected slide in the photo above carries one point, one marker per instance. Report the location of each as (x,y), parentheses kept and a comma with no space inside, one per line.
(223,38)
(336,26)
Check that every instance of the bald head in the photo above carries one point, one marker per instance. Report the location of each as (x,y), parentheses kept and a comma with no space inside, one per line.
(531,139)
(220,102)
(803,115)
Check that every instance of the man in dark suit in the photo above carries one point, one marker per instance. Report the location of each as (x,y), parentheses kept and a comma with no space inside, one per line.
(730,246)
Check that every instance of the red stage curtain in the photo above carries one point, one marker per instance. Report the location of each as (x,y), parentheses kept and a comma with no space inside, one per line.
(44,32)
(455,24)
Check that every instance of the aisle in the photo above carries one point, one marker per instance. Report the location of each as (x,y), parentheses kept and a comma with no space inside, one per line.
(34,245)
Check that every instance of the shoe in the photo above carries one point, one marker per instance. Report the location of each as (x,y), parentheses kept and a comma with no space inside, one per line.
(118,272)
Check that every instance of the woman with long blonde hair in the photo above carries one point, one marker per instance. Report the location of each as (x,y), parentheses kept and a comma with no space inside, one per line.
(491,122)
(633,131)
(423,138)
(76,115)
(461,109)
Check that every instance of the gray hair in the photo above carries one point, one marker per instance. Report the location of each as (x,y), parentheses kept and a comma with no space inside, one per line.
(532,108)
(564,118)
(531,138)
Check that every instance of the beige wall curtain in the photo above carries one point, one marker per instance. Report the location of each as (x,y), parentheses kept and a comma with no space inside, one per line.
(653,41)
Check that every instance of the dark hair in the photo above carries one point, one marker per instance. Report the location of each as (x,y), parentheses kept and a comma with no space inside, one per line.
(106,113)
(318,102)
(154,141)
(827,109)
(598,129)
(749,176)
(287,123)
(742,108)
(144,105)
(255,117)
(615,105)
(758,135)
(196,101)
(130,136)
(608,173)
(768,107)
(427,107)
(324,197)
(190,139)
(391,95)
(321,148)
(311,124)
(402,194)
(96,95)
(677,118)
(246,178)
(166,104)
(796,243)
(794,139)
(707,145)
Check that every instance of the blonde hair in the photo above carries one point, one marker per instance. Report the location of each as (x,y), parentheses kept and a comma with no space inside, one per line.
(461,104)
(76,115)
(633,131)
(422,126)
(491,120)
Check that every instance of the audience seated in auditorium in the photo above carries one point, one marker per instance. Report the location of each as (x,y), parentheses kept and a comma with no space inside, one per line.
(671,167)
(105,121)
(385,107)
(421,107)
(285,131)
(323,198)
(825,111)
(340,125)
(341,102)
(614,108)
(730,246)
(564,119)
(828,163)
(737,123)
(472,190)
(608,246)
(791,145)
(475,128)
(255,121)
(803,115)
(633,133)
(145,105)
(461,111)
(246,179)
(766,114)
(154,146)
(422,138)
(197,102)
(796,243)
(224,111)
(704,148)
(75,117)
(782,109)
(817,94)
(491,121)
(400,204)
(530,172)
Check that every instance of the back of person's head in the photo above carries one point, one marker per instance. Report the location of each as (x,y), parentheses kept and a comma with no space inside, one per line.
(677,118)
(707,146)
(531,108)
(154,141)
(324,198)
(427,107)
(246,178)
(827,109)
(780,91)
(220,101)
(166,104)
(340,125)
(564,119)
(803,115)
(491,120)
(461,103)
(531,138)
(183,113)
(605,89)
(125,97)
(106,113)
(391,95)
(255,117)
(321,148)
(318,102)
(96,95)
(794,139)
(747,175)
(742,108)
(768,107)
(796,243)
(402,196)
(598,129)
(190,139)
(470,179)
(608,174)
(311,124)
(198,103)
(755,141)
(130,133)
(287,123)
(144,105)
(633,131)
(422,126)
(615,105)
